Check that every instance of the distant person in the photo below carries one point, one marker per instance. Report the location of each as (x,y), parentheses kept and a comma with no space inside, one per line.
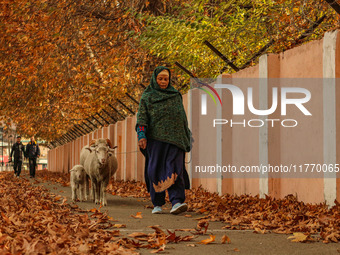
(32,153)
(19,150)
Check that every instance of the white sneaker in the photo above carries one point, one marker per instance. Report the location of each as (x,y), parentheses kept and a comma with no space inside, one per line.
(179,208)
(157,210)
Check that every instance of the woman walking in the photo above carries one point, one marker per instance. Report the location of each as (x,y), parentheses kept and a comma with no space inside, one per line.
(162,129)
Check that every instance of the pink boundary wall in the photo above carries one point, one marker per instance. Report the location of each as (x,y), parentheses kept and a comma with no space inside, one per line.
(317,59)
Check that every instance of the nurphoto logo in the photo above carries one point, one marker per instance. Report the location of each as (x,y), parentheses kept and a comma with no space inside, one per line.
(287,96)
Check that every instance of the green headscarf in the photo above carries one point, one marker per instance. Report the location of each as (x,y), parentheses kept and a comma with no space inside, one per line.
(162,112)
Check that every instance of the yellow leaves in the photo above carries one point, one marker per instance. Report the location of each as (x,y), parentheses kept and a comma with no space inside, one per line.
(299,237)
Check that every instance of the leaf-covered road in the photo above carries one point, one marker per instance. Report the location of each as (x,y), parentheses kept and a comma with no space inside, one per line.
(38,219)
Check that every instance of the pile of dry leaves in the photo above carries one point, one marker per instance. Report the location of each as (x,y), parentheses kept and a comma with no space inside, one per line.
(34,221)
(287,215)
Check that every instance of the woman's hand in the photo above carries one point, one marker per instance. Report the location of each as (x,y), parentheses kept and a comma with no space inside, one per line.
(142,143)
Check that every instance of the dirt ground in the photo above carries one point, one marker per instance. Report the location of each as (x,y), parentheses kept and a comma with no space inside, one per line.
(242,242)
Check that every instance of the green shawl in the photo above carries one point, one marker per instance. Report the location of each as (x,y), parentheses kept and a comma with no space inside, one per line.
(162,112)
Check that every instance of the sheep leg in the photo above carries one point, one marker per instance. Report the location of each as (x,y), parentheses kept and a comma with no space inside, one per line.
(103,192)
(81,192)
(94,186)
(98,193)
(74,192)
(87,187)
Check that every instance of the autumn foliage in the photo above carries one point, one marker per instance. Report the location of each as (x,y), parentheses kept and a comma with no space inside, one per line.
(34,221)
(245,212)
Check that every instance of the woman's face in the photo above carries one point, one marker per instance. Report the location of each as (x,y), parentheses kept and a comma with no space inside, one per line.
(163,80)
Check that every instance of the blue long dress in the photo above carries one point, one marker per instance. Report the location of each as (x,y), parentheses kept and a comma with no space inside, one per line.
(165,170)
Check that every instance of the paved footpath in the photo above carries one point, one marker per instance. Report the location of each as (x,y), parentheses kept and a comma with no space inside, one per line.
(242,242)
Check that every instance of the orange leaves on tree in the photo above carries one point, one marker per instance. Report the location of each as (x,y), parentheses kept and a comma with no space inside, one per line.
(51,73)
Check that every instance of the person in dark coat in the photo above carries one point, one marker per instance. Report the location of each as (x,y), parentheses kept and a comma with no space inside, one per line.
(18,149)
(32,153)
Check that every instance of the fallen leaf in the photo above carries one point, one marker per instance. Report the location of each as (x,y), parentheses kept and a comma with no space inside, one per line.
(333,237)
(185,229)
(115,233)
(137,216)
(84,248)
(57,198)
(119,226)
(209,240)
(187,238)
(259,231)
(162,248)
(225,239)
(157,229)
(202,210)
(298,237)
(94,210)
(137,234)
(202,224)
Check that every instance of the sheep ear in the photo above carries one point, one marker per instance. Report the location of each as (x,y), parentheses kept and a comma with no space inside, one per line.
(92,143)
(88,149)
(109,143)
(72,170)
(115,147)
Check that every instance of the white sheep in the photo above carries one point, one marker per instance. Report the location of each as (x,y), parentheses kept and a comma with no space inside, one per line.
(85,152)
(77,180)
(100,165)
